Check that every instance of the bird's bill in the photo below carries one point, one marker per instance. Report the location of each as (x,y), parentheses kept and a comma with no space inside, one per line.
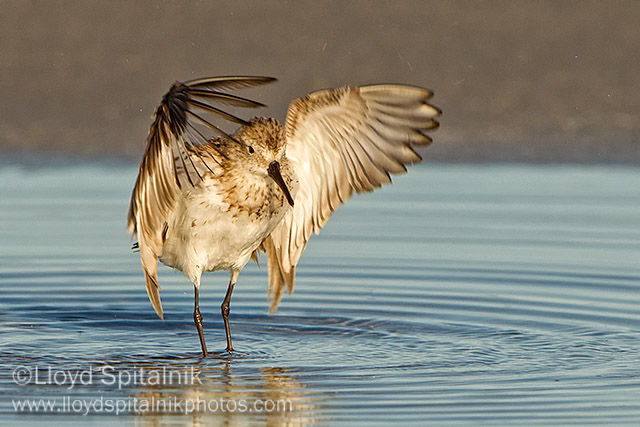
(274,173)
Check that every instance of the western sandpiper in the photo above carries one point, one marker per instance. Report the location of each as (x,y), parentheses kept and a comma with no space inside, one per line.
(206,203)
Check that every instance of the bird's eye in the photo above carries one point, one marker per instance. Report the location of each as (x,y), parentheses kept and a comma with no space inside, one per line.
(251,150)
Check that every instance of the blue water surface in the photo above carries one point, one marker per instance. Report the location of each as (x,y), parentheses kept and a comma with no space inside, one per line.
(477,295)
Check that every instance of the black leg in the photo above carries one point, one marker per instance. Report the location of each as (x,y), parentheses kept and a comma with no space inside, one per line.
(225,313)
(197,318)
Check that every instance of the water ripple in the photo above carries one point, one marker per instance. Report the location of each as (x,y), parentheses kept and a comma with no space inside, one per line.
(488,301)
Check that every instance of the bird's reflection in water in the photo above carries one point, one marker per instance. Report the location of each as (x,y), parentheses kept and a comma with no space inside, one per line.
(204,393)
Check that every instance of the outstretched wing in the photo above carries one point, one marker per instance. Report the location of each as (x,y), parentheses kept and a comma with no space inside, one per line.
(339,142)
(176,158)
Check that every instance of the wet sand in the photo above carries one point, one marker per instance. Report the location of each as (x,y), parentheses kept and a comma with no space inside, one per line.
(518,81)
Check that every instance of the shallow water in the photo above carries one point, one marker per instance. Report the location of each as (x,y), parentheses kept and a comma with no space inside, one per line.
(460,295)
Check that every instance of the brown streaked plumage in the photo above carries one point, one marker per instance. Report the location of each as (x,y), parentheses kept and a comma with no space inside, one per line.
(206,203)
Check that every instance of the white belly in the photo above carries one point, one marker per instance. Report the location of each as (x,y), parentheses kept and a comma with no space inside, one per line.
(204,234)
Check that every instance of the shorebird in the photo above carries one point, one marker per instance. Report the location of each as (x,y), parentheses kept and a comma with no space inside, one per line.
(206,200)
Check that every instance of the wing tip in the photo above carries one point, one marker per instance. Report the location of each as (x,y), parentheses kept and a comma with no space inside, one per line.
(408,90)
(278,278)
(236,80)
(154,295)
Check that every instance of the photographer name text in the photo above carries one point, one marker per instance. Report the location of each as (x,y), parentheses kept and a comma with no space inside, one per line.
(104,375)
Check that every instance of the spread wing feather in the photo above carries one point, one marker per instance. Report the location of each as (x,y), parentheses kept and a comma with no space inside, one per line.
(175,160)
(340,142)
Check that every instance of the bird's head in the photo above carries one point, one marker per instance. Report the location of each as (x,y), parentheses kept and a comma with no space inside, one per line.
(262,150)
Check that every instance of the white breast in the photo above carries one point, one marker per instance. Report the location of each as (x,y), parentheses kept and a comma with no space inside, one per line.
(205,233)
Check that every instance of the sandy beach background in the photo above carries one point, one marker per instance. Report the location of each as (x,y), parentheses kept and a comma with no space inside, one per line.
(517,81)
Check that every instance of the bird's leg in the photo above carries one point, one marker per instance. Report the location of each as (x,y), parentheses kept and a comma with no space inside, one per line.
(197,318)
(225,308)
